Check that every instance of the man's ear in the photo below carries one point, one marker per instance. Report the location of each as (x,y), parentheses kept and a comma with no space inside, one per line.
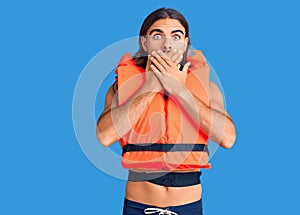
(144,43)
(186,42)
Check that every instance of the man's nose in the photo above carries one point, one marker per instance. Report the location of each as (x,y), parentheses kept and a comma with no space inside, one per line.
(167,46)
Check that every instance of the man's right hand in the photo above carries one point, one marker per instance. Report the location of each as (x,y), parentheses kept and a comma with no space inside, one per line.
(151,81)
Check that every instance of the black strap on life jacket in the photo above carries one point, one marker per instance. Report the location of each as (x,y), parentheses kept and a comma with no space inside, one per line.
(161,147)
(168,179)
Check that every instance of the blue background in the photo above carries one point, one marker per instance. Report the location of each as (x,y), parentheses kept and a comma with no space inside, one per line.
(44,46)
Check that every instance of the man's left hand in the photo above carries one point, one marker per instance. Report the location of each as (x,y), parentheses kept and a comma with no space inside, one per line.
(167,70)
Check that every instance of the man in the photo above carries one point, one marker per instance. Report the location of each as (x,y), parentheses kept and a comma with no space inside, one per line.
(163,109)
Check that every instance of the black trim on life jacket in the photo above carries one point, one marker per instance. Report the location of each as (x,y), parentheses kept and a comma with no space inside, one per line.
(168,179)
(161,147)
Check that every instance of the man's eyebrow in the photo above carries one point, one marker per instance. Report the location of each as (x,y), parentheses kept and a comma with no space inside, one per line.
(156,29)
(175,31)
(160,31)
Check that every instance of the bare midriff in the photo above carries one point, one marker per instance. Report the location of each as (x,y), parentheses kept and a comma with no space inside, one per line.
(161,196)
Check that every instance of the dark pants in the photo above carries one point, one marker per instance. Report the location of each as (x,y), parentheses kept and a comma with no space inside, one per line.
(135,208)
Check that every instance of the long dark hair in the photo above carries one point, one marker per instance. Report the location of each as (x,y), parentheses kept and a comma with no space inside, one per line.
(141,56)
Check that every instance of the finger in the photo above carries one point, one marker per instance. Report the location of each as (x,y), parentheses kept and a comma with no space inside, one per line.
(186,67)
(163,59)
(178,59)
(159,63)
(174,59)
(163,55)
(168,60)
(157,73)
(171,63)
(174,54)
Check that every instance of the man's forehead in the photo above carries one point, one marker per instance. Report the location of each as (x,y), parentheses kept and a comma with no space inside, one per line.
(166,24)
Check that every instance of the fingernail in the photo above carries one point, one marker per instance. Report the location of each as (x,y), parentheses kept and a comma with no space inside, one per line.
(153,52)
(158,51)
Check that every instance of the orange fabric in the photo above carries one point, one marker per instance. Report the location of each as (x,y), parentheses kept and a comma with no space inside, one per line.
(164,121)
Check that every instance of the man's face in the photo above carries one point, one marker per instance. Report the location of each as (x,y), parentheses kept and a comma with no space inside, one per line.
(165,35)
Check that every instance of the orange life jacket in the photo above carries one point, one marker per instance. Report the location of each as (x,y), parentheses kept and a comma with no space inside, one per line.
(165,138)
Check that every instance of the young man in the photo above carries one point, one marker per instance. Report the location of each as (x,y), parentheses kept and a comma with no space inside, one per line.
(163,109)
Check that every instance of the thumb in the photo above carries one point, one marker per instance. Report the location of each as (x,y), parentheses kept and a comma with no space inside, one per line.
(186,67)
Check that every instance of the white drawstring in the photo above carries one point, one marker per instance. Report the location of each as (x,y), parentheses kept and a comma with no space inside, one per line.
(161,211)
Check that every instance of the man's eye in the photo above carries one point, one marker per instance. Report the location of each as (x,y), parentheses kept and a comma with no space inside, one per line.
(176,37)
(157,37)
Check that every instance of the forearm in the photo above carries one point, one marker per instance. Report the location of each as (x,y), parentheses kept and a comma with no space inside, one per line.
(116,122)
(216,124)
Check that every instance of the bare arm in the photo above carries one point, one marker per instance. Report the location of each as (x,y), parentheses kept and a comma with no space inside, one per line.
(116,121)
(213,120)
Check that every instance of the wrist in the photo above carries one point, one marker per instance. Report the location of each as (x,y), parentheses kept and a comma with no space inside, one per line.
(180,91)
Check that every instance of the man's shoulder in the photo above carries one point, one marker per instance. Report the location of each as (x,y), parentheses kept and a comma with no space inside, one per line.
(125,59)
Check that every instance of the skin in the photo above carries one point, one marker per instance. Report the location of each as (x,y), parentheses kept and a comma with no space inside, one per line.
(165,43)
